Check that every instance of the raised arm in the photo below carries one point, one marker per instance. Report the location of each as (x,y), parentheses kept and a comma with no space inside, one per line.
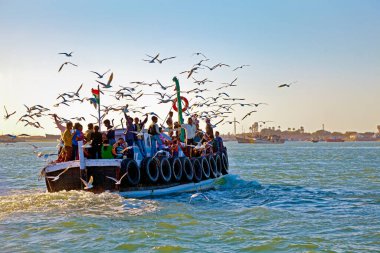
(59,125)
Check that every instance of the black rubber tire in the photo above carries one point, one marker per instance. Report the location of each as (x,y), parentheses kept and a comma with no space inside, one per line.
(224,163)
(165,169)
(213,168)
(149,170)
(133,176)
(205,167)
(176,169)
(197,167)
(187,169)
(219,165)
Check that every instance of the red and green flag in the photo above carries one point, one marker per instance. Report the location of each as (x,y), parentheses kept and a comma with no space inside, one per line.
(95,92)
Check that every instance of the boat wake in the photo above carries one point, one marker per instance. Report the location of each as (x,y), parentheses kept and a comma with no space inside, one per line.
(76,203)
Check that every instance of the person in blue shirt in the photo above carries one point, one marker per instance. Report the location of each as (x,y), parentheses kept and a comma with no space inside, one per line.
(218,141)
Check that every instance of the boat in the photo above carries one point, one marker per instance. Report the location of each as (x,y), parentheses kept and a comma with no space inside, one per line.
(137,176)
(261,140)
(314,140)
(334,139)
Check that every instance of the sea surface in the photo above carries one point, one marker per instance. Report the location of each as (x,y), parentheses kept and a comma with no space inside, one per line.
(294,197)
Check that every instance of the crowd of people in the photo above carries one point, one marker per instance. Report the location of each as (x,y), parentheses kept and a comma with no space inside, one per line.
(103,145)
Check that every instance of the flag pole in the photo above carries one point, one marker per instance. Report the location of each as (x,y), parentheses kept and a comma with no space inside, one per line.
(99,121)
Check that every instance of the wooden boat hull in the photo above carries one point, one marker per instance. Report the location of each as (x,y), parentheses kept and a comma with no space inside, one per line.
(101,169)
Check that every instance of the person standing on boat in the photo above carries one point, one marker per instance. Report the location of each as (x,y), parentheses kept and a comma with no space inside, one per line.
(62,129)
(96,143)
(155,136)
(169,122)
(209,130)
(129,135)
(77,136)
(89,132)
(67,150)
(190,130)
(218,141)
(110,132)
(138,135)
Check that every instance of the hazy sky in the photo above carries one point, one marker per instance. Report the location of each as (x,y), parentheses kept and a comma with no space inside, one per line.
(332,48)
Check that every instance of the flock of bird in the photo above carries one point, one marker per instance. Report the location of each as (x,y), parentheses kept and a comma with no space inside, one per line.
(222,105)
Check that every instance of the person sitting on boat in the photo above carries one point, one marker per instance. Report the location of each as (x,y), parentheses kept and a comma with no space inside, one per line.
(138,135)
(154,131)
(218,143)
(119,148)
(106,150)
(176,130)
(110,132)
(67,150)
(96,144)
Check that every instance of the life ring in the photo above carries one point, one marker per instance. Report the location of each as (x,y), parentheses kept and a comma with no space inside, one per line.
(175,108)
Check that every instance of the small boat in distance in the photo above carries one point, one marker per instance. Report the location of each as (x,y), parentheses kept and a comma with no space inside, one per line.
(274,139)
(334,139)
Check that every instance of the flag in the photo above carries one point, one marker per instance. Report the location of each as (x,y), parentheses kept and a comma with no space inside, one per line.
(95,101)
(95,92)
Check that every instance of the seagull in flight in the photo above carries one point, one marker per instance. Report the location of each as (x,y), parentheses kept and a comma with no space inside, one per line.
(153,58)
(65,63)
(108,85)
(57,177)
(197,195)
(7,115)
(165,59)
(118,182)
(88,185)
(248,114)
(68,54)
(199,53)
(240,67)
(286,85)
(256,105)
(100,76)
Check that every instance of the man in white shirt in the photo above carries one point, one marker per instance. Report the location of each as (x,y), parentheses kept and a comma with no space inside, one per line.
(190,130)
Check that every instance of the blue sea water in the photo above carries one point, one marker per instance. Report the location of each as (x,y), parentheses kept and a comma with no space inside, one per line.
(295,197)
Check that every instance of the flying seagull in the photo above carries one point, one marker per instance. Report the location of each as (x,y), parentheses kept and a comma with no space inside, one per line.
(199,53)
(100,76)
(88,185)
(65,64)
(153,58)
(67,54)
(165,59)
(240,67)
(198,194)
(248,114)
(7,115)
(57,177)
(108,85)
(118,182)
(286,85)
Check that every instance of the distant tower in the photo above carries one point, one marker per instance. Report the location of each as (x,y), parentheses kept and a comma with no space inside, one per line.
(378,128)
(323,127)
(235,125)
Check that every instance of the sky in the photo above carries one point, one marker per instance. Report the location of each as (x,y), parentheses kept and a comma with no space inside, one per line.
(330,48)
